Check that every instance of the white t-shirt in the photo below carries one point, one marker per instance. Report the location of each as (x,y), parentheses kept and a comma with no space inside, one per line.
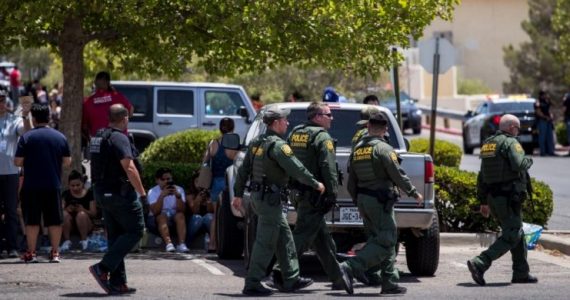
(169,202)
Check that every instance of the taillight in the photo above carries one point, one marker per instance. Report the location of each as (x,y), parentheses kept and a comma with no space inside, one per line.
(496,120)
(429,173)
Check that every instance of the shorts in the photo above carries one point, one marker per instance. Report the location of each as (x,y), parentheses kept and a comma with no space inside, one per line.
(38,203)
(218,186)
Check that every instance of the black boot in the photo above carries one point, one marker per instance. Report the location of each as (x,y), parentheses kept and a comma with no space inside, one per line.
(301,283)
(395,290)
(476,273)
(257,291)
(528,279)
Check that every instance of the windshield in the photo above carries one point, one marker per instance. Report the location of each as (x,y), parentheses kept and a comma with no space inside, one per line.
(512,107)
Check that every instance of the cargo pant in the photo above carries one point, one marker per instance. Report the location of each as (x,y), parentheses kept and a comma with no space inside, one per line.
(508,214)
(273,237)
(379,253)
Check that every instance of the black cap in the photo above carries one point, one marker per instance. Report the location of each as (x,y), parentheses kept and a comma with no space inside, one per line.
(275,113)
(377,117)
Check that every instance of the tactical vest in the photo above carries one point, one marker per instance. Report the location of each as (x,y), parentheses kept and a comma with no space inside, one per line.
(358,136)
(495,166)
(361,161)
(105,166)
(300,140)
(265,169)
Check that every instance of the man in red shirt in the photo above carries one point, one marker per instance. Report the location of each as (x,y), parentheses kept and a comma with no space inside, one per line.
(96,107)
(15,81)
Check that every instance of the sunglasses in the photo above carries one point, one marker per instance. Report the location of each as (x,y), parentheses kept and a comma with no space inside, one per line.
(328,115)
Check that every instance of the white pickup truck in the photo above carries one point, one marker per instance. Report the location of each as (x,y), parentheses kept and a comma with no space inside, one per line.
(418,226)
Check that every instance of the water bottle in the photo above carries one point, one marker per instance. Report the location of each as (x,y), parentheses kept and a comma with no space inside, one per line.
(206,242)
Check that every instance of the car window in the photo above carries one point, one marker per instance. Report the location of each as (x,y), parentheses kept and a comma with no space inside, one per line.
(223,103)
(482,108)
(513,107)
(175,102)
(140,98)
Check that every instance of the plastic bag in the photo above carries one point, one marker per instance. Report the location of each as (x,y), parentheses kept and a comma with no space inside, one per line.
(97,242)
(532,233)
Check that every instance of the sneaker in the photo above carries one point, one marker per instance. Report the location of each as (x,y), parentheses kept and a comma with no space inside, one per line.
(101,277)
(13,254)
(30,257)
(122,289)
(182,248)
(84,244)
(528,279)
(65,246)
(170,247)
(54,257)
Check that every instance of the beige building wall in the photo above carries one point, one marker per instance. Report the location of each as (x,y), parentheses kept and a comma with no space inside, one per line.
(480,29)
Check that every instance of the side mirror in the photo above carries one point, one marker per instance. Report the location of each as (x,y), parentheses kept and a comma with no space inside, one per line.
(469,114)
(242,111)
(231,141)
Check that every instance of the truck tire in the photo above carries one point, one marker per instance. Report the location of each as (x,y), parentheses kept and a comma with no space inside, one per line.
(422,253)
(249,235)
(229,236)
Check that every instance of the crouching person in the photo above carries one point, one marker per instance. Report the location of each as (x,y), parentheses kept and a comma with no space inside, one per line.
(167,204)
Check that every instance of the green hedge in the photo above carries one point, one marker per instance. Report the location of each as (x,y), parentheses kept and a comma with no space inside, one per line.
(561,136)
(455,194)
(446,153)
(185,147)
(181,172)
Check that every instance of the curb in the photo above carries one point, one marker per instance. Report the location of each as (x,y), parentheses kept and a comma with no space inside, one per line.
(548,240)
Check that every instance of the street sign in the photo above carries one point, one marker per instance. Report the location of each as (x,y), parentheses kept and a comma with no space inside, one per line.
(446,52)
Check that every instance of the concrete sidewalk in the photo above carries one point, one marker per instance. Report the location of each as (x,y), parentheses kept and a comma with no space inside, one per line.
(551,240)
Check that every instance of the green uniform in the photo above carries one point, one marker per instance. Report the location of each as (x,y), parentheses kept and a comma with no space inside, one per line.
(501,184)
(358,135)
(374,177)
(270,162)
(314,147)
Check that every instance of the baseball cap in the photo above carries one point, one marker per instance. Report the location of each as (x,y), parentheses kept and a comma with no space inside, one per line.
(378,118)
(365,115)
(275,113)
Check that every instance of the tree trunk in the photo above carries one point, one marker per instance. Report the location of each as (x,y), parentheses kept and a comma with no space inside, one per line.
(71,45)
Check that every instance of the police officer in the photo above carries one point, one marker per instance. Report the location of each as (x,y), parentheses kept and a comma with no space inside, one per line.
(374,178)
(270,162)
(116,182)
(501,189)
(314,147)
(362,125)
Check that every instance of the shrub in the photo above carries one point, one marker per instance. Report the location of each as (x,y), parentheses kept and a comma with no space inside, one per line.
(446,153)
(182,147)
(457,205)
(561,135)
(181,172)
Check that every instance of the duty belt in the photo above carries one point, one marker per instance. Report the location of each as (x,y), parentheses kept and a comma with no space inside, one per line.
(272,188)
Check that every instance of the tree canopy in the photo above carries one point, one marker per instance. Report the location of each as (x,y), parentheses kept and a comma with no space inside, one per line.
(162,36)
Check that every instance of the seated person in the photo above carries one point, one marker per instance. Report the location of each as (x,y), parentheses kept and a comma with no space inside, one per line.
(167,203)
(201,209)
(79,210)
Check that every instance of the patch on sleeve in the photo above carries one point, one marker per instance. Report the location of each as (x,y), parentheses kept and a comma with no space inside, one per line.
(394,156)
(286,150)
(519,148)
(329,145)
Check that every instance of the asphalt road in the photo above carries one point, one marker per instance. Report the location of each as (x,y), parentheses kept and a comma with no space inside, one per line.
(159,275)
(555,171)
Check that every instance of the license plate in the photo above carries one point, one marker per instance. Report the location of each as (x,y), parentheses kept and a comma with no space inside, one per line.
(525,138)
(350,215)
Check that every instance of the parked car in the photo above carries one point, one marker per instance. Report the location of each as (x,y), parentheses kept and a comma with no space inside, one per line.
(418,226)
(484,121)
(163,108)
(411,114)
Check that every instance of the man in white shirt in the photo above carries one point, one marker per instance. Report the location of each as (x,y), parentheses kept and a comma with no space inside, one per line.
(167,203)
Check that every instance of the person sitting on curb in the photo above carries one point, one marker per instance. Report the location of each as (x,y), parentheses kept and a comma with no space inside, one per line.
(79,209)
(201,209)
(167,204)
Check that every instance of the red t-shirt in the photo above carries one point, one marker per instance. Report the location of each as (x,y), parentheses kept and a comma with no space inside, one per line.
(15,78)
(96,109)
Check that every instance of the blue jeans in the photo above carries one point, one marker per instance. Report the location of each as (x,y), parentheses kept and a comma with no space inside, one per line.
(198,224)
(545,137)
(218,185)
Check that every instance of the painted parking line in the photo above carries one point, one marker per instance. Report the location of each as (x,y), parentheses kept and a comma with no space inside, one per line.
(202,263)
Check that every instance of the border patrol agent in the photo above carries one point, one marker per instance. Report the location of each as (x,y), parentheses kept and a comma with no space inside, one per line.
(501,189)
(115,172)
(269,162)
(314,147)
(361,126)
(374,177)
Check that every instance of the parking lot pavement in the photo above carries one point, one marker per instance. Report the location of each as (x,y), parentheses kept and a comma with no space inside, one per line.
(159,275)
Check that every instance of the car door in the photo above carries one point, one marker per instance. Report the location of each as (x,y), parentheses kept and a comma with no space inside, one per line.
(476,123)
(219,103)
(175,110)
